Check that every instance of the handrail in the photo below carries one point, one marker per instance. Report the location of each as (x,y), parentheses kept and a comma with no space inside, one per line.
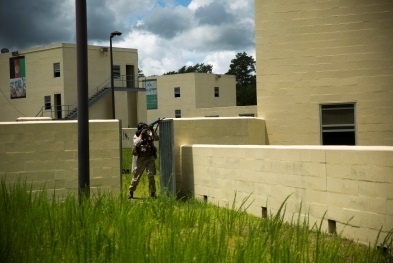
(95,90)
(123,79)
(45,110)
(41,111)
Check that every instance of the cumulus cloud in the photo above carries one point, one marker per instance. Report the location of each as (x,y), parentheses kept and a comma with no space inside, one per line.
(167,33)
(214,14)
(167,23)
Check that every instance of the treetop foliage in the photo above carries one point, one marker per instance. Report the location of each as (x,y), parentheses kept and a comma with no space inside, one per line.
(243,67)
(199,68)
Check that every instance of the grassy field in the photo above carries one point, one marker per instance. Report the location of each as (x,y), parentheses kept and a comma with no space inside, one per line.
(107,228)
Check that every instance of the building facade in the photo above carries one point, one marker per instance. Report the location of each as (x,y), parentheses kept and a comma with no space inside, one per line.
(183,95)
(42,82)
(325,71)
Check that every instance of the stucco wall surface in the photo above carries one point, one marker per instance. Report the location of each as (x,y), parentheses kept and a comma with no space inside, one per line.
(353,185)
(45,154)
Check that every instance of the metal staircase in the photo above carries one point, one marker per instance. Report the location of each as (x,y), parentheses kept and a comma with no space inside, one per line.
(124,83)
(71,111)
(94,97)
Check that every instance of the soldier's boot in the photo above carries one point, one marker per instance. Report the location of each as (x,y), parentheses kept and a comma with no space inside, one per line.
(131,195)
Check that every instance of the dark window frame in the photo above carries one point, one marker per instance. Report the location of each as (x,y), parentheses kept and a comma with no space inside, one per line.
(116,71)
(177,113)
(47,103)
(216,92)
(176,92)
(338,124)
(56,70)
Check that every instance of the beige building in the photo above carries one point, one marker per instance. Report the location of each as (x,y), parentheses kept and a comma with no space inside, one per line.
(325,71)
(42,82)
(45,85)
(192,95)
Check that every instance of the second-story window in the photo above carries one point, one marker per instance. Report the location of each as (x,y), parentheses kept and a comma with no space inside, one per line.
(47,103)
(116,71)
(177,92)
(216,92)
(56,70)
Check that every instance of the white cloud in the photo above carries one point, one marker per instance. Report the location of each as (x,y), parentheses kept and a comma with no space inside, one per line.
(220,61)
(195,4)
(167,33)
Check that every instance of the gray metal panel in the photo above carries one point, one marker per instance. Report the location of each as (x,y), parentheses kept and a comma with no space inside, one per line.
(167,157)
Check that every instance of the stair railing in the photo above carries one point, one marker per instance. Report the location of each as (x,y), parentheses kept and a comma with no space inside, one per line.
(67,109)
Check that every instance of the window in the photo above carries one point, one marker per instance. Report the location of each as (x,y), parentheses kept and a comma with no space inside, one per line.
(116,71)
(338,124)
(216,92)
(177,92)
(177,113)
(47,103)
(56,70)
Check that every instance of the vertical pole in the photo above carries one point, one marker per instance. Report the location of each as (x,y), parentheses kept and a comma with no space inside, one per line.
(83,113)
(112,81)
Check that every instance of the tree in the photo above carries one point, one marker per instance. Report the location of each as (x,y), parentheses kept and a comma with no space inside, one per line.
(140,73)
(243,67)
(199,68)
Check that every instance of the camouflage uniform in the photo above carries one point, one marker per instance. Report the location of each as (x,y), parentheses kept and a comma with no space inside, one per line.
(146,154)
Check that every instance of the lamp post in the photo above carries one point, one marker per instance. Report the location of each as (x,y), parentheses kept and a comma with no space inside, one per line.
(113,34)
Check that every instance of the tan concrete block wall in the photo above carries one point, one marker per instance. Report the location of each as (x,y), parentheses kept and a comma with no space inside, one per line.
(352,184)
(234,111)
(235,130)
(45,154)
(311,53)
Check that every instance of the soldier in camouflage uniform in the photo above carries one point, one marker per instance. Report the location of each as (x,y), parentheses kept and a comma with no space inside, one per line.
(146,154)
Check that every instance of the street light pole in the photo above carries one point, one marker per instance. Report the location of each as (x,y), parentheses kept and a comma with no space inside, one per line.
(113,34)
(83,108)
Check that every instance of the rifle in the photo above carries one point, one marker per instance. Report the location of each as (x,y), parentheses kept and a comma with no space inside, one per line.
(151,128)
(156,122)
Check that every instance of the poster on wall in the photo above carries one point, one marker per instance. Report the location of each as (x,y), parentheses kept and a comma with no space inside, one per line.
(17,78)
(151,94)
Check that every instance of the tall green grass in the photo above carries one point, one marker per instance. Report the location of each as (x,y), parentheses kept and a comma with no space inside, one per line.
(108,228)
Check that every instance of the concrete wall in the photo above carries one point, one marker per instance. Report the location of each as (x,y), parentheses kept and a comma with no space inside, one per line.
(234,111)
(221,131)
(352,184)
(310,53)
(45,153)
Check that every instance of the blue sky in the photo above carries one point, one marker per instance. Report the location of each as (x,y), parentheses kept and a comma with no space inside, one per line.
(183,2)
(167,33)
